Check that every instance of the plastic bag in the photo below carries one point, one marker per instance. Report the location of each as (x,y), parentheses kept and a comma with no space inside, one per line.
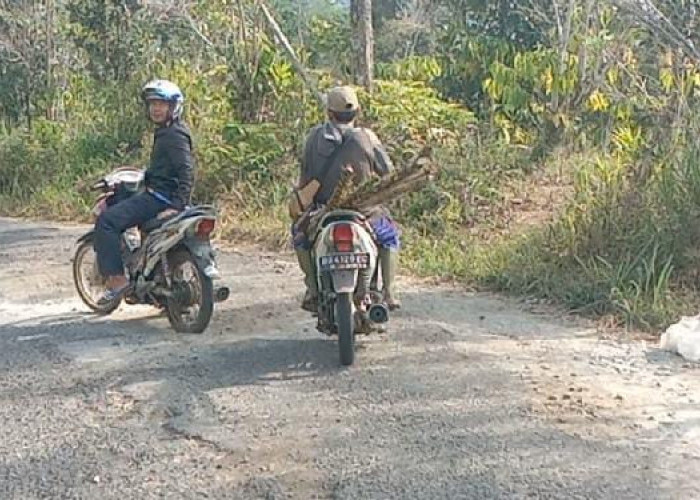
(683,338)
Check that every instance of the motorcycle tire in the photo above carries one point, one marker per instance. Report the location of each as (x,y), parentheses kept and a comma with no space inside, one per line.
(205,296)
(88,299)
(346,328)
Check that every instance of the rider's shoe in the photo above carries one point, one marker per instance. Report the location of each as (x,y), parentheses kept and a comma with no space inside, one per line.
(112,295)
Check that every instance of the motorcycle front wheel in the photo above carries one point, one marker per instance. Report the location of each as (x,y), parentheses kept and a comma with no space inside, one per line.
(191,305)
(87,278)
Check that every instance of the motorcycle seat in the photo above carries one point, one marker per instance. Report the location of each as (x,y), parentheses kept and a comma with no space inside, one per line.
(340,216)
(155,223)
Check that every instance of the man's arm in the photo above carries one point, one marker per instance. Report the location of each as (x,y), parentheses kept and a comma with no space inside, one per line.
(381,163)
(180,156)
(302,161)
(306,151)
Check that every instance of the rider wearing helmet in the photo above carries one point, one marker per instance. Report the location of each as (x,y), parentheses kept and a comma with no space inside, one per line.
(168,181)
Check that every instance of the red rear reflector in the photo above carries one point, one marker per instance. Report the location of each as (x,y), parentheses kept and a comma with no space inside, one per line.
(205,227)
(343,237)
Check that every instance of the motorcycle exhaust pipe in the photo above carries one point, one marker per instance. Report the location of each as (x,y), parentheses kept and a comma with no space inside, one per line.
(378,313)
(221,293)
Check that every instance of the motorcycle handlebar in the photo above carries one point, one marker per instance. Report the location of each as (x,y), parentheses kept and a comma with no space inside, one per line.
(101,185)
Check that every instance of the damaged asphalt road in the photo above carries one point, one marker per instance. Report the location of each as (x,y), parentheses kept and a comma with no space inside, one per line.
(465,396)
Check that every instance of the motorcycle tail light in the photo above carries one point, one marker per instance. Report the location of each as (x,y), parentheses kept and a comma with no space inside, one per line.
(205,227)
(343,237)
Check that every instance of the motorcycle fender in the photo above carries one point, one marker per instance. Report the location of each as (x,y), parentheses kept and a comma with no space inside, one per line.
(344,281)
(87,236)
(201,250)
(203,254)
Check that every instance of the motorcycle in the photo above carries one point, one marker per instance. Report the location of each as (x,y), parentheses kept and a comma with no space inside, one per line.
(348,275)
(169,262)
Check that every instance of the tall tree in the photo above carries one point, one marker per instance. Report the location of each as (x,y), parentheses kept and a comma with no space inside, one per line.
(25,63)
(113,35)
(363,41)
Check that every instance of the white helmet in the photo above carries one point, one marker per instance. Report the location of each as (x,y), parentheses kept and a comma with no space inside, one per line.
(164,90)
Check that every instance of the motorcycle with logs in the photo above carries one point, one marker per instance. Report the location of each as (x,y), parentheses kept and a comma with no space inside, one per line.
(345,252)
(346,258)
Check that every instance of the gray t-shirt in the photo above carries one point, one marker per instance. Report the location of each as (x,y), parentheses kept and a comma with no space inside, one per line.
(362,150)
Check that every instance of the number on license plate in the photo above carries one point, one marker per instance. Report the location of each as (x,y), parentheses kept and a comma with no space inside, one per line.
(345,261)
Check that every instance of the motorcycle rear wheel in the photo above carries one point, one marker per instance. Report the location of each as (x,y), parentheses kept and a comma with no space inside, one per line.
(346,328)
(195,290)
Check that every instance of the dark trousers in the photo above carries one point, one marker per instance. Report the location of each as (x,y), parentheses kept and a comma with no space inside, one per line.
(114,221)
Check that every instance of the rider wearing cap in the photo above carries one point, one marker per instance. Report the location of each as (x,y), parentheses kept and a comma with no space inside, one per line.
(363,151)
(168,181)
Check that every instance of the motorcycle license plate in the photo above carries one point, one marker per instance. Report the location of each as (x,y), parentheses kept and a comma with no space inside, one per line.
(340,261)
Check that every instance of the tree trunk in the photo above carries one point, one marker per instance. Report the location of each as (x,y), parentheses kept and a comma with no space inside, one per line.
(50,110)
(363,42)
(564,27)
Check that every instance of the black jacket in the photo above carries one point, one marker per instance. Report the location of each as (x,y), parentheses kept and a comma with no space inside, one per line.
(171,172)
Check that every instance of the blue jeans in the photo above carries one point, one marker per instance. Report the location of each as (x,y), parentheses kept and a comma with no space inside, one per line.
(114,221)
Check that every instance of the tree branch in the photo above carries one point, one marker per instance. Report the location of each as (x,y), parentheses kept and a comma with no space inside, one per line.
(284,42)
(648,14)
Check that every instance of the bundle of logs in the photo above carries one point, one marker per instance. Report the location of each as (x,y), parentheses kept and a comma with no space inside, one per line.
(376,191)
